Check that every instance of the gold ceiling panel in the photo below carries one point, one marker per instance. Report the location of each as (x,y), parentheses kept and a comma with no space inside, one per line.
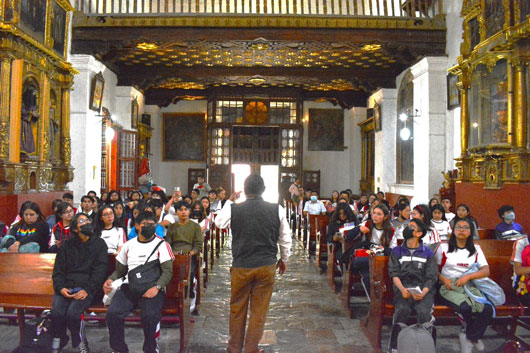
(373,55)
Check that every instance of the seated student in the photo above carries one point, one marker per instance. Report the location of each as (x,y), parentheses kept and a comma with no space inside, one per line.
(381,198)
(121,217)
(400,222)
(104,197)
(440,223)
(521,268)
(51,220)
(377,235)
(105,227)
(423,213)
(208,214)
(314,207)
(368,215)
(69,197)
(342,215)
(455,258)
(186,236)
(87,206)
(30,234)
(135,253)
(332,203)
(433,201)
(114,196)
(362,206)
(160,231)
(78,273)
(508,228)
(195,195)
(96,205)
(411,265)
(61,231)
(446,204)
(462,211)
(212,196)
(401,199)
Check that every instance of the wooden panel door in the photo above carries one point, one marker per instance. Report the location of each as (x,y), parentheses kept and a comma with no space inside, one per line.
(312,180)
(127,161)
(220,176)
(193,174)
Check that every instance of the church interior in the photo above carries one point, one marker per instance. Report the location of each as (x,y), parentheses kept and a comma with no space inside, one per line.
(417,98)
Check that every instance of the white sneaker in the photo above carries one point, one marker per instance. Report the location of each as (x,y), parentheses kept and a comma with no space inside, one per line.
(467,345)
(479,345)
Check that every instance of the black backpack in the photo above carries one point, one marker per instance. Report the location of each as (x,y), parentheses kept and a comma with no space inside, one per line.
(37,336)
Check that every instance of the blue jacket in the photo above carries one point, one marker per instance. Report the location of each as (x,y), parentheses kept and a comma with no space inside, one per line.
(420,269)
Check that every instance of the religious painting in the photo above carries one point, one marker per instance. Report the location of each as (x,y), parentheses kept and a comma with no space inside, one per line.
(134,113)
(33,18)
(184,137)
(326,130)
(494,16)
(58,28)
(377,116)
(525,9)
(96,95)
(474,32)
(11,9)
(453,95)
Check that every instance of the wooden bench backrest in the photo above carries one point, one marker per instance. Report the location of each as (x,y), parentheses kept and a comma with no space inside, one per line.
(26,279)
(181,270)
(496,247)
(486,233)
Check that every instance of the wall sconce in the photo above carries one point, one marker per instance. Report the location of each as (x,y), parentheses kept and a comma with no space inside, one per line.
(405,134)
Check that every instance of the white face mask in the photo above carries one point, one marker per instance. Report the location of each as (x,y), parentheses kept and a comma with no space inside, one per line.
(509,216)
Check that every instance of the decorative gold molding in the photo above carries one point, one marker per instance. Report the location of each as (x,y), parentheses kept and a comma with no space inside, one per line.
(261,21)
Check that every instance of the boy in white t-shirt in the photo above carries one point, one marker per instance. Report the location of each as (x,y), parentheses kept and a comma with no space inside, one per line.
(134,253)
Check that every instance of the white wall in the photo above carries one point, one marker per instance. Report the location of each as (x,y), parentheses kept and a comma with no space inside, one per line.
(171,174)
(85,124)
(338,169)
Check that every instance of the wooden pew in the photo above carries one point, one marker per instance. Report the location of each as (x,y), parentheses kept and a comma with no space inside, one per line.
(205,252)
(321,225)
(486,233)
(381,295)
(27,285)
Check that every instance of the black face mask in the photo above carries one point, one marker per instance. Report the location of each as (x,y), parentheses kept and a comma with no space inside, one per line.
(148,231)
(87,229)
(408,233)
(196,214)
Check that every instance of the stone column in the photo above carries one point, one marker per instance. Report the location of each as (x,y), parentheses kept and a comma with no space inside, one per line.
(430,127)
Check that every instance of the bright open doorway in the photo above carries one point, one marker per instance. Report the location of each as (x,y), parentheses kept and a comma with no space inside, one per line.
(269,173)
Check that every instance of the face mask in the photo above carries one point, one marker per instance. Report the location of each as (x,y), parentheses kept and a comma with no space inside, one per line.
(87,229)
(148,231)
(510,216)
(196,214)
(313,198)
(408,233)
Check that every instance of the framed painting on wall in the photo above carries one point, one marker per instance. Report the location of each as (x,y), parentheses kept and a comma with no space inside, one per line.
(326,130)
(33,18)
(377,116)
(96,93)
(453,95)
(58,28)
(183,137)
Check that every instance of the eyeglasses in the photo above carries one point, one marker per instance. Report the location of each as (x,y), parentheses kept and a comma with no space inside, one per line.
(68,212)
(143,224)
(462,228)
(84,220)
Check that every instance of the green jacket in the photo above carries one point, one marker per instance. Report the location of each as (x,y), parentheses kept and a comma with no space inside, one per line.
(458,295)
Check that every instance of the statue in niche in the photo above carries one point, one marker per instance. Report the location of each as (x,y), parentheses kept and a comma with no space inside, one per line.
(53,129)
(29,116)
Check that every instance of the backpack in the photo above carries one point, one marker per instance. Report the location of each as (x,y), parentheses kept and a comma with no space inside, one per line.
(36,336)
(417,338)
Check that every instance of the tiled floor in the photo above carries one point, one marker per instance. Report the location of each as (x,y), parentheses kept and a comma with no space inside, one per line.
(305,316)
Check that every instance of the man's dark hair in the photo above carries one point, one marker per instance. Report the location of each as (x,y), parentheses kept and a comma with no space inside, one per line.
(402,206)
(155,203)
(181,203)
(87,197)
(75,219)
(145,216)
(68,195)
(421,226)
(92,192)
(254,185)
(196,190)
(504,208)
(212,192)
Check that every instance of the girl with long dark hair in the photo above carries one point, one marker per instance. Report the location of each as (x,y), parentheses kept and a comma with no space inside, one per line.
(455,258)
(106,228)
(462,211)
(423,213)
(61,230)
(439,222)
(30,233)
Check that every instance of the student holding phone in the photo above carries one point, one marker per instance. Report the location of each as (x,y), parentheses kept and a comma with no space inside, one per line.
(78,273)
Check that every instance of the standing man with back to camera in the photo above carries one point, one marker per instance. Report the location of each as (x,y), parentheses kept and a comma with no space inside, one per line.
(258,227)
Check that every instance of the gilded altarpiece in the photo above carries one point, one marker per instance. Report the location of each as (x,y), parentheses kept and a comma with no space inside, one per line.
(35,84)
(493,81)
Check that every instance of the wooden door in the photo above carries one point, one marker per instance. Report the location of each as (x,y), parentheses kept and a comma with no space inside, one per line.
(127,161)
(220,176)
(193,174)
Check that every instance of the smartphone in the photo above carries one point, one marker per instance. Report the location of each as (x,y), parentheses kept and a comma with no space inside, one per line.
(75,290)
(177,188)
